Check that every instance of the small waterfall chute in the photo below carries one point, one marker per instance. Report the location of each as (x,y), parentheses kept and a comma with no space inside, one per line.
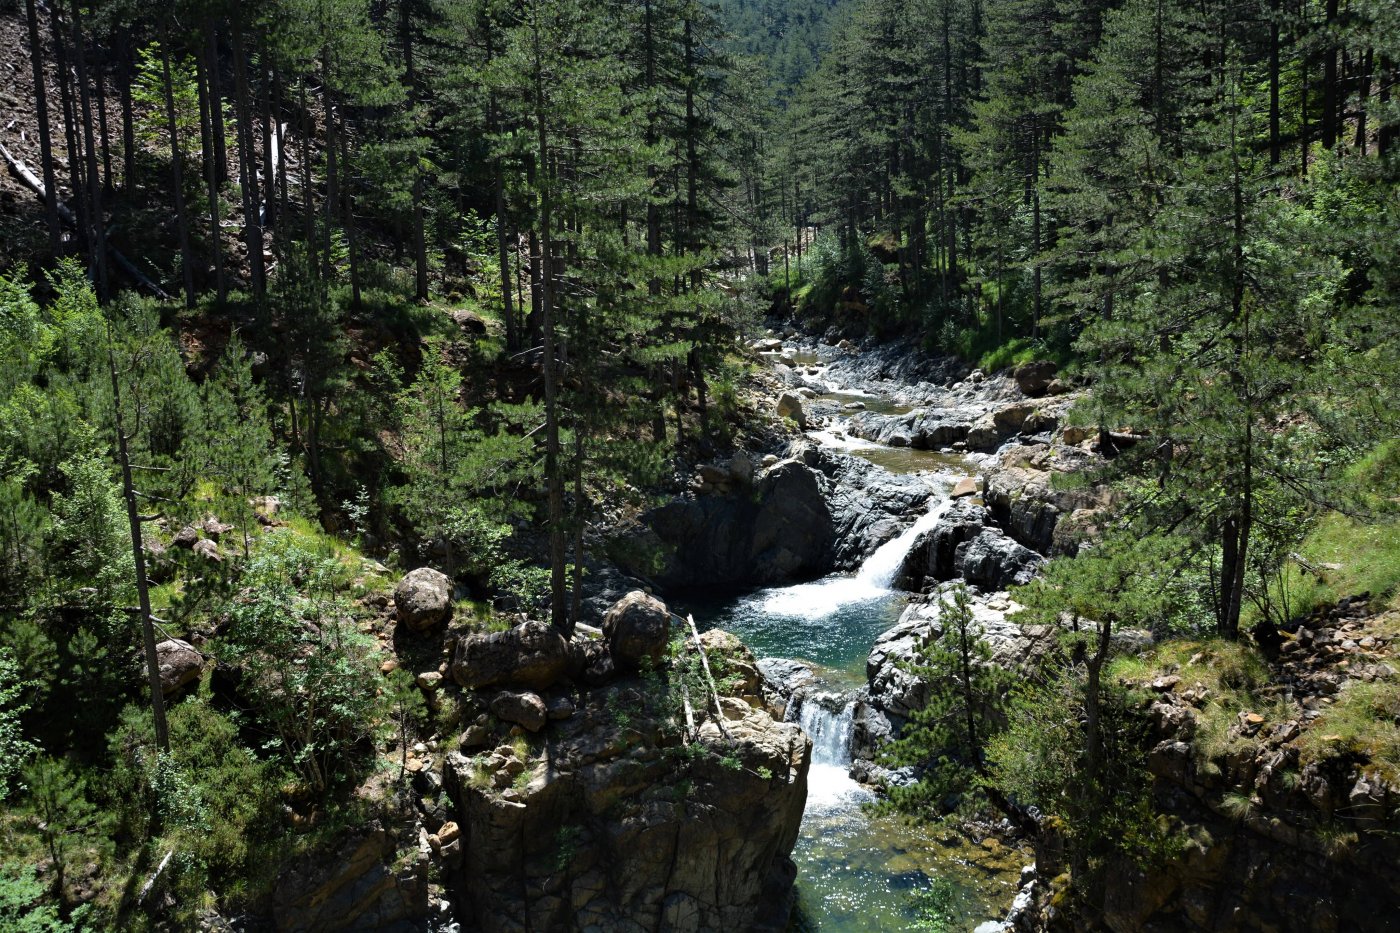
(874,580)
(882,567)
(829,720)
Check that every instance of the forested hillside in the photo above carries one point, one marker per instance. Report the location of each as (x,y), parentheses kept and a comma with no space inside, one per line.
(367,368)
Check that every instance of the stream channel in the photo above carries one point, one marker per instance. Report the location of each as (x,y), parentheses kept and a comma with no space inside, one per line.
(857,871)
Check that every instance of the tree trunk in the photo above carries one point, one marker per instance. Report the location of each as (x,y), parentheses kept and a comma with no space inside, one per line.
(128,117)
(41,106)
(177,175)
(207,103)
(94,184)
(558,607)
(247,168)
(138,553)
(216,100)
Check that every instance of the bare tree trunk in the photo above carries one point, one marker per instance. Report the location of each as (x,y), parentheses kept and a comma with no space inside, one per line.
(41,106)
(207,102)
(177,175)
(247,168)
(128,116)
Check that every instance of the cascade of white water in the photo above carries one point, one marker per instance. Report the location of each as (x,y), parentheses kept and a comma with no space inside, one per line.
(873,581)
(881,568)
(830,730)
(829,720)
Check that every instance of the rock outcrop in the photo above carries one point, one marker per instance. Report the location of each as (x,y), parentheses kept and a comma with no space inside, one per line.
(423,598)
(965,545)
(532,655)
(892,693)
(619,793)
(1032,498)
(610,829)
(365,882)
(1287,825)
(778,531)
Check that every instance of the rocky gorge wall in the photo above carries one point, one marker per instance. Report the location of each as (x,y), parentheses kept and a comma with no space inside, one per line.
(619,799)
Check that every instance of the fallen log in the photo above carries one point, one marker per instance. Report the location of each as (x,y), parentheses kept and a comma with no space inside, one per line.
(32,182)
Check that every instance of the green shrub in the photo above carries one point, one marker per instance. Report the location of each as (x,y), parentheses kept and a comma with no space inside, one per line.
(309,673)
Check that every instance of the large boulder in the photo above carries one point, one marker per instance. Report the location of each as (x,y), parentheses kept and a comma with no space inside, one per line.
(180,665)
(1034,378)
(637,629)
(525,709)
(933,556)
(1028,503)
(778,530)
(790,406)
(894,692)
(994,561)
(423,598)
(532,655)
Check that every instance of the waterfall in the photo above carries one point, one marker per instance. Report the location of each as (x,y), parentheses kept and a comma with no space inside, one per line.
(830,729)
(881,568)
(828,718)
(874,580)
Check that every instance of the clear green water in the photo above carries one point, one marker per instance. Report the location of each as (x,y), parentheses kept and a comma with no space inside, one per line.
(857,871)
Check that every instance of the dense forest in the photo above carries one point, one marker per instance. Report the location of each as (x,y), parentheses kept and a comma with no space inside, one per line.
(296,297)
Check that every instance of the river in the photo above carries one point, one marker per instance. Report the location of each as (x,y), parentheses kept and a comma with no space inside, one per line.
(858,871)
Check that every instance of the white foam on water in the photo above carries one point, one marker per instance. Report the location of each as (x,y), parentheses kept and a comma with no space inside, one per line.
(830,787)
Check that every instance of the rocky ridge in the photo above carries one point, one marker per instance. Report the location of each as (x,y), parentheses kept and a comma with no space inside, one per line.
(1291,826)
(603,790)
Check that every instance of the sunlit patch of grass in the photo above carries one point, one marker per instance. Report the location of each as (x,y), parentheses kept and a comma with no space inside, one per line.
(1227,673)
(1362,722)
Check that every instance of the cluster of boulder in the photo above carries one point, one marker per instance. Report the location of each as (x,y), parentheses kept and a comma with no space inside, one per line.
(570,803)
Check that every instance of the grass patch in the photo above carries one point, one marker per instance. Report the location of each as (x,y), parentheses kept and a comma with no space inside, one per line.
(1229,672)
(1367,555)
(476,615)
(1362,723)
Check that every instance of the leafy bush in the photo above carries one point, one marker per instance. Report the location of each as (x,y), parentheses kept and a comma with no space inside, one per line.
(303,664)
(210,798)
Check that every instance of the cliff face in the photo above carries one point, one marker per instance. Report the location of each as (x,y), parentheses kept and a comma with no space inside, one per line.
(1290,810)
(612,829)
(612,818)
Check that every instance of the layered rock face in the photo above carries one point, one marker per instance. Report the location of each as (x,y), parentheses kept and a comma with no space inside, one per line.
(362,885)
(642,803)
(803,516)
(778,530)
(1026,500)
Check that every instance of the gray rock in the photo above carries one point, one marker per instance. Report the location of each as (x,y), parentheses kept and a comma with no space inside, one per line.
(1034,378)
(362,880)
(790,406)
(180,665)
(993,561)
(777,531)
(524,709)
(638,628)
(423,598)
(610,833)
(208,550)
(532,654)
(468,322)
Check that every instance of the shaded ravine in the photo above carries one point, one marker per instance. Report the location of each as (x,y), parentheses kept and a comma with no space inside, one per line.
(856,871)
